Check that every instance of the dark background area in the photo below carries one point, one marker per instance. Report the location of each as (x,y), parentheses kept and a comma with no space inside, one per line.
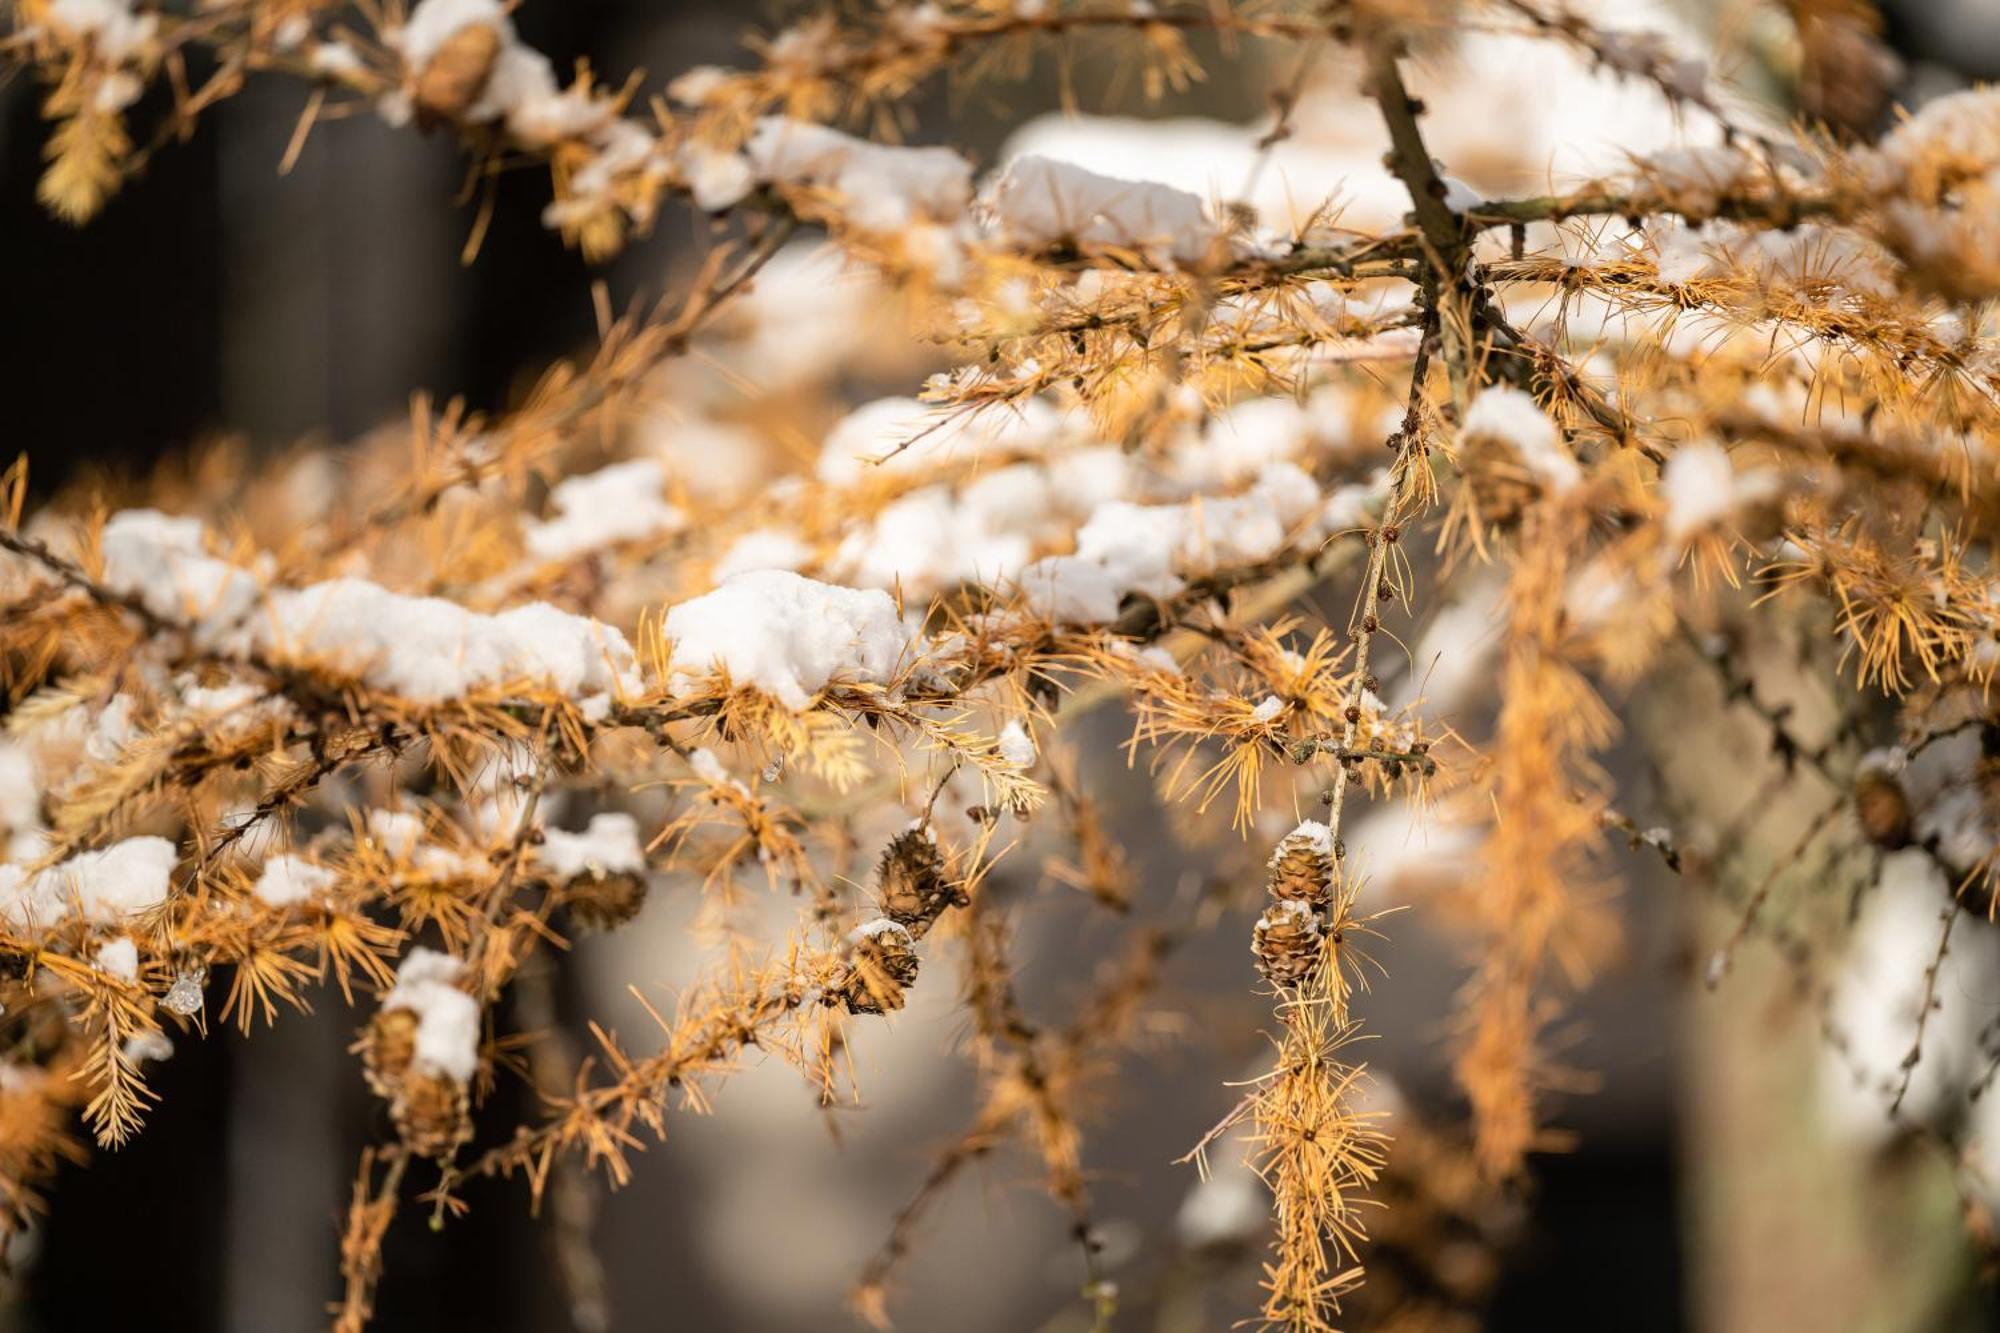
(213,295)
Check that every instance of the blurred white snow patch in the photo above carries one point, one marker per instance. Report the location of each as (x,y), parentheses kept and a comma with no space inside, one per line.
(800,315)
(714,460)
(1214,160)
(763,548)
(1879,996)
(1016,746)
(1453,659)
(1403,848)
(609,845)
(103,886)
(1040,201)
(286,880)
(905,435)
(1702,488)
(619,503)
(1552,120)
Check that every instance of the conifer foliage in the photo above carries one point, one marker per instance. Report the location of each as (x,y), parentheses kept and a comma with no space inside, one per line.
(1375,499)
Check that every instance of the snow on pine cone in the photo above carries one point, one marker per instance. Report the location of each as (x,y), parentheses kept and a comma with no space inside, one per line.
(452,79)
(605,902)
(882,965)
(1302,869)
(1500,486)
(421,1050)
(1287,942)
(1510,452)
(429,1108)
(601,869)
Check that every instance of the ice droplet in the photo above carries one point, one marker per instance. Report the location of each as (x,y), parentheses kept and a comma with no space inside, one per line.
(184,996)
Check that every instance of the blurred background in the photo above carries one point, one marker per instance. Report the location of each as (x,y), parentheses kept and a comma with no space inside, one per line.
(215,297)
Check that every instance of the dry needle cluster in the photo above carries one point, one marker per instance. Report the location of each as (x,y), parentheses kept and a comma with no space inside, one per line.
(1375,482)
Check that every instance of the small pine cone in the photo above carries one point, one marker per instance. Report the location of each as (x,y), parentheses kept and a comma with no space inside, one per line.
(1287,942)
(451,82)
(41,1032)
(605,902)
(911,883)
(883,966)
(432,1113)
(1302,868)
(1883,808)
(388,1044)
(1501,487)
(1847,75)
